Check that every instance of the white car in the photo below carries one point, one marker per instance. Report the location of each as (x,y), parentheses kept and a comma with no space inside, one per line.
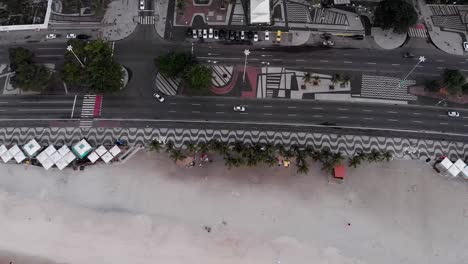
(453,114)
(71,36)
(142,4)
(267,35)
(205,35)
(194,33)
(210,33)
(51,36)
(239,108)
(242,35)
(158,97)
(465,46)
(256,37)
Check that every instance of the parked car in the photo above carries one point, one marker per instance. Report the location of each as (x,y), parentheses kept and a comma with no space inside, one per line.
(453,114)
(222,33)
(210,33)
(205,33)
(194,33)
(51,36)
(465,46)
(200,33)
(242,35)
(71,36)
(250,34)
(255,36)
(158,97)
(189,32)
(239,108)
(216,34)
(237,36)
(278,36)
(83,36)
(267,35)
(232,34)
(142,4)
(326,35)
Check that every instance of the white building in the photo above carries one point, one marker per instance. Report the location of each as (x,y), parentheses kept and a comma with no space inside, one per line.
(260,12)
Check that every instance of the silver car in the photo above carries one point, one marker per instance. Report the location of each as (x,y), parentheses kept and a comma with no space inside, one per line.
(239,108)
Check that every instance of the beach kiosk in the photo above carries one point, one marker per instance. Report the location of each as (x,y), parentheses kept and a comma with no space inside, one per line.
(82,148)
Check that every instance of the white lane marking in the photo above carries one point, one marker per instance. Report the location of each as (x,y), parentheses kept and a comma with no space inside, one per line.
(268,114)
(291,115)
(172,103)
(395,64)
(368,118)
(254,59)
(465,125)
(371,63)
(443,115)
(292,107)
(347,62)
(244,113)
(463,62)
(73,107)
(195,112)
(195,104)
(439,67)
(1,110)
(172,111)
(342,117)
(300,60)
(463,70)
(416,113)
(267,106)
(219,104)
(347,54)
(317,116)
(465,117)
(366,110)
(43,109)
(392,120)
(48,102)
(317,108)
(440,60)
(392,112)
(416,121)
(220,58)
(277,59)
(323,60)
(443,123)
(220,112)
(343,109)
(3,102)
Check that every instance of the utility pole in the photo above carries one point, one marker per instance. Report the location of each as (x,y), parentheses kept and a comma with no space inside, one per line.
(70,48)
(246,53)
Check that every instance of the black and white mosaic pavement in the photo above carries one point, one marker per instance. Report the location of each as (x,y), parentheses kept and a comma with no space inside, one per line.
(405,148)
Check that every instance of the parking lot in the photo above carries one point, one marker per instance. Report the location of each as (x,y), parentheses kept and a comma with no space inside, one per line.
(207,34)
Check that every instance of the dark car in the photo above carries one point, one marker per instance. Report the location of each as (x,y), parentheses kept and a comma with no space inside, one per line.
(83,36)
(222,33)
(232,35)
(189,32)
(408,55)
(238,36)
(216,34)
(250,34)
(358,37)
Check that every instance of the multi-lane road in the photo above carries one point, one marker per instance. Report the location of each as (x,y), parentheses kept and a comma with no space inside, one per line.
(136,107)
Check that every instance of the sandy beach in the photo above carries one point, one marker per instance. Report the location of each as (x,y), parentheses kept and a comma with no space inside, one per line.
(148,210)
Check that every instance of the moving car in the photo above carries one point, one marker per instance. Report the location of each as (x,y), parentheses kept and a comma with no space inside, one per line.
(358,37)
(267,35)
(408,55)
(205,35)
(239,108)
(194,33)
(328,43)
(242,35)
(142,4)
(278,36)
(83,36)
(51,36)
(465,46)
(158,97)
(453,114)
(210,33)
(71,36)
(255,36)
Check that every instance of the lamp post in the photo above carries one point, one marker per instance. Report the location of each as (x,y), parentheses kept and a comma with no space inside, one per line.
(421,59)
(70,48)
(246,53)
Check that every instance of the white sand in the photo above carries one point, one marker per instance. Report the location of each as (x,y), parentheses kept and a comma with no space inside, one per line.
(150,211)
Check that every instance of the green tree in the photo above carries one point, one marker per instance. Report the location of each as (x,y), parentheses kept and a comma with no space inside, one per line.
(155,145)
(174,64)
(31,77)
(387,155)
(169,146)
(198,77)
(307,77)
(433,85)
(19,56)
(374,156)
(176,155)
(454,80)
(465,88)
(302,168)
(396,14)
(354,161)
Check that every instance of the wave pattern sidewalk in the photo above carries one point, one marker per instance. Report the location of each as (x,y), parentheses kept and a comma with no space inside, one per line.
(403,148)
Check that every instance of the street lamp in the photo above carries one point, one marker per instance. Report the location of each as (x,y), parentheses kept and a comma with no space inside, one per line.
(70,48)
(246,53)
(421,59)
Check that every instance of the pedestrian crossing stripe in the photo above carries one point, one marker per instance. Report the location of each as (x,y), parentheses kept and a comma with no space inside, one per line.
(146,20)
(417,32)
(87,109)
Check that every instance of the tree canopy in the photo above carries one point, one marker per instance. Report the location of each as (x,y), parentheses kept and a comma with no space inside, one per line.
(28,76)
(396,14)
(173,64)
(101,74)
(454,81)
(198,77)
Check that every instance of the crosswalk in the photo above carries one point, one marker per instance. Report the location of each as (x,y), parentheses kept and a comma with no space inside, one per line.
(87,111)
(418,31)
(146,20)
(221,75)
(167,86)
(324,16)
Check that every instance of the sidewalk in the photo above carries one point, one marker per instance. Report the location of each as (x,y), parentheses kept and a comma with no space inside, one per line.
(387,39)
(160,13)
(120,15)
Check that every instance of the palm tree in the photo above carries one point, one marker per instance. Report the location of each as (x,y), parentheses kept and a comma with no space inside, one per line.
(281,149)
(177,155)
(345,80)
(374,156)
(336,158)
(191,147)
(325,154)
(238,146)
(354,161)
(307,77)
(229,161)
(336,77)
(328,167)
(309,150)
(387,155)
(169,146)
(302,168)
(155,145)
(202,147)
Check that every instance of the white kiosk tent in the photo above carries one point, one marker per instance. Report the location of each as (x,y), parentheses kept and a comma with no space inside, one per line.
(444,165)
(453,171)
(464,173)
(61,158)
(14,152)
(104,154)
(82,148)
(32,147)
